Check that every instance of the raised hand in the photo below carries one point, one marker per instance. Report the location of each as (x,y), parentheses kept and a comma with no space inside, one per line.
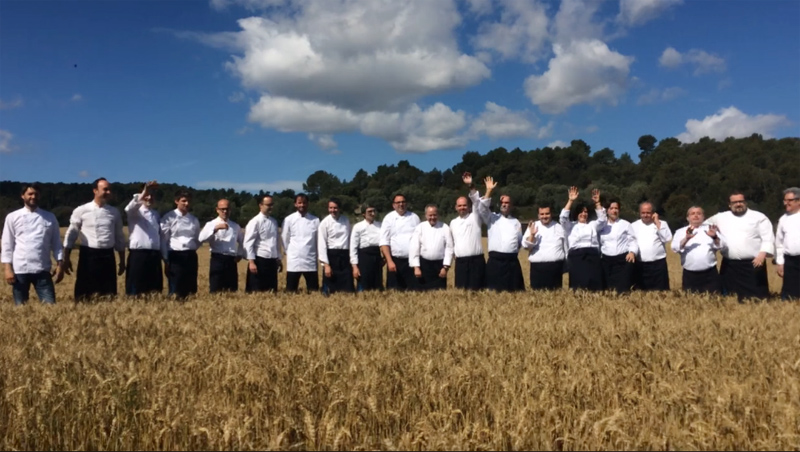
(690,233)
(712,231)
(467,178)
(532,228)
(656,220)
(573,193)
(220,226)
(490,183)
(596,196)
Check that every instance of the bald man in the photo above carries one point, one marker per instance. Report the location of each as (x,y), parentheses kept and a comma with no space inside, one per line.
(225,238)
(467,241)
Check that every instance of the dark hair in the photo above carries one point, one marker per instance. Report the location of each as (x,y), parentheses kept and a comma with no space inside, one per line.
(736,193)
(577,208)
(34,186)
(545,206)
(182,194)
(335,201)
(613,201)
(301,195)
(97,181)
(260,199)
(399,194)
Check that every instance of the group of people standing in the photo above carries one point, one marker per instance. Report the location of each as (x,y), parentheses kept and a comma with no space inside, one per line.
(599,250)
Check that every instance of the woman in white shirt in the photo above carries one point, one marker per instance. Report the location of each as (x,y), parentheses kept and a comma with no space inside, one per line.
(618,249)
(583,237)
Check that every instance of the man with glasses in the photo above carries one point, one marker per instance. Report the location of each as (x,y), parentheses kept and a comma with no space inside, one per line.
(224,237)
(396,231)
(365,250)
(262,247)
(787,245)
(749,240)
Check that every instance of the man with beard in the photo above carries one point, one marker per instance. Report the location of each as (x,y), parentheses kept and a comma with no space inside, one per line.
(99,227)
(262,247)
(144,243)
(396,231)
(697,245)
(30,236)
(547,244)
(787,244)
(431,251)
(333,247)
(365,250)
(503,272)
(468,242)
(299,234)
(748,241)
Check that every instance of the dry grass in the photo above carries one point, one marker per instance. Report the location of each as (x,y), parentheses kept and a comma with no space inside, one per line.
(446,371)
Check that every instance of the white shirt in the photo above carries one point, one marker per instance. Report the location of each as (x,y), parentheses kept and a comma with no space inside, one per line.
(651,240)
(224,241)
(144,232)
(364,235)
(98,227)
(28,240)
(179,232)
(787,240)
(700,252)
(745,236)
(261,238)
(617,238)
(396,232)
(333,234)
(505,233)
(583,235)
(548,245)
(431,243)
(300,242)
(467,239)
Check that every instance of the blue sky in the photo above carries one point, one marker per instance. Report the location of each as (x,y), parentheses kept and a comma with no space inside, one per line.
(259,94)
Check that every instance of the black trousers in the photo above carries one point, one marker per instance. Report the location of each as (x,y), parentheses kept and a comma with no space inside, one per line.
(503,272)
(547,275)
(143,273)
(266,280)
(704,281)
(430,279)
(617,273)
(97,273)
(370,265)
(471,272)
(293,281)
(791,278)
(740,278)
(223,275)
(341,279)
(585,269)
(652,275)
(403,278)
(182,275)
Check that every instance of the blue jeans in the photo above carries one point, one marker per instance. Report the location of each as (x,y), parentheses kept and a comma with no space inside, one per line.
(42,283)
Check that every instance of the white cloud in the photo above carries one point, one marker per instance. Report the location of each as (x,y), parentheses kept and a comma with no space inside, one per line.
(583,72)
(702,61)
(16,103)
(670,58)
(5,141)
(575,21)
(500,122)
(731,122)
(418,130)
(76,97)
(558,144)
(520,33)
(236,97)
(638,12)
(252,5)
(254,187)
(657,95)
(480,7)
(325,142)
(83,174)
(328,67)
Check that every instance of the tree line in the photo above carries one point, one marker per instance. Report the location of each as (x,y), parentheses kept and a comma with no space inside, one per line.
(670,174)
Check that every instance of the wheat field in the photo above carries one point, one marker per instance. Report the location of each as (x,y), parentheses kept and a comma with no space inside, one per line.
(449,370)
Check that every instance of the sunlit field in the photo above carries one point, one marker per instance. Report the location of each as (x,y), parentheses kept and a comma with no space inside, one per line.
(448,370)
